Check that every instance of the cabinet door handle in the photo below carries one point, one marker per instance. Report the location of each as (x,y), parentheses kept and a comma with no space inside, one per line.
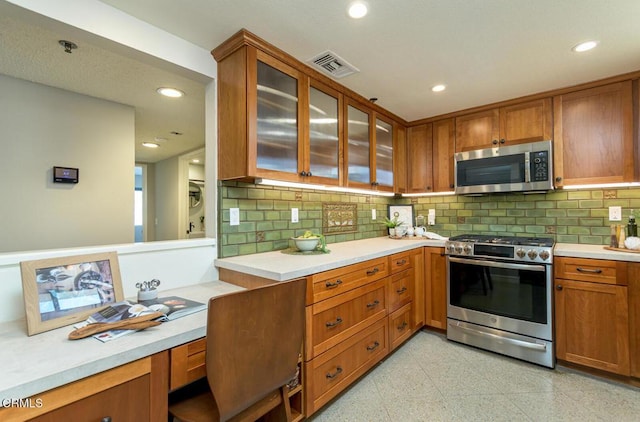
(331,324)
(373,347)
(330,285)
(402,326)
(401,290)
(558,287)
(401,262)
(335,374)
(374,271)
(373,304)
(587,270)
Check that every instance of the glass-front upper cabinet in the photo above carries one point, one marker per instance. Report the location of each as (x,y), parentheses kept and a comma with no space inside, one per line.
(383,161)
(358,150)
(277,119)
(322,156)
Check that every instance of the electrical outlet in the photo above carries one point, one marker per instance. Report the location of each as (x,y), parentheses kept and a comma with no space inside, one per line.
(615,213)
(234,216)
(294,215)
(373,214)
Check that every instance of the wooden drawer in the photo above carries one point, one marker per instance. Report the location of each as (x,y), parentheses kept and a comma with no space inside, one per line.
(593,270)
(187,363)
(336,319)
(401,261)
(401,287)
(334,282)
(336,369)
(400,326)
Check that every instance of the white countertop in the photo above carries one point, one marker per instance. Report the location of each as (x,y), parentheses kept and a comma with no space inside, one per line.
(279,266)
(593,251)
(35,364)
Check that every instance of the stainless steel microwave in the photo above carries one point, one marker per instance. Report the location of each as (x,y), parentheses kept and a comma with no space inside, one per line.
(515,168)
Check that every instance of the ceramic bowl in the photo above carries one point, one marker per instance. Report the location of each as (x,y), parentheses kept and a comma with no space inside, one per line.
(306,244)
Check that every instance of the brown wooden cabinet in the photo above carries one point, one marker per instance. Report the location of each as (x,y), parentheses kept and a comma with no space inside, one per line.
(593,135)
(430,149)
(134,391)
(592,313)
(435,288)
(633,287)
(514,124)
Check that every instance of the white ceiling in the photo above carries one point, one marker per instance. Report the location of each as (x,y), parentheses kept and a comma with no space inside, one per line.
(483,50)
(29,50)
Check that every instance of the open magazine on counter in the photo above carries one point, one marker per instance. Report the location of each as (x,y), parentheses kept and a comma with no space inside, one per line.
(172,307)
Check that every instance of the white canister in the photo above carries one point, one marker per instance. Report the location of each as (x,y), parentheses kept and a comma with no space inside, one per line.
(419,231)
(410,231)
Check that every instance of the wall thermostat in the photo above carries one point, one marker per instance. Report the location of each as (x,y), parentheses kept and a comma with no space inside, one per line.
(65,175)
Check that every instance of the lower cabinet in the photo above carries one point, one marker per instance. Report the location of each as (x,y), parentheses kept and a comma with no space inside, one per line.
(400,326)
(435,265)
(592,313)
(136,391)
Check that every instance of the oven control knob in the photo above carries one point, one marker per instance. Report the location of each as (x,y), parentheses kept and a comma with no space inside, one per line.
(459,248)
(532,254)
(545,255)
(467,249)
(451,248)
(521,253)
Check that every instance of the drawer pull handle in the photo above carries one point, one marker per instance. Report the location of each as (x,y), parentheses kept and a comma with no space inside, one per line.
(334,323)
(402,326)
(374,271)
(373,304)
(330,285)
(401,262)
(401,290)
(373,347)
(586,270)
(335,374)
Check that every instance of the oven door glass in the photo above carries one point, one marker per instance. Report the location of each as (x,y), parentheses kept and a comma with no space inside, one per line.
(510,290)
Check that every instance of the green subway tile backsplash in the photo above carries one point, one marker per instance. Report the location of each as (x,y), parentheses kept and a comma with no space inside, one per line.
(580,216)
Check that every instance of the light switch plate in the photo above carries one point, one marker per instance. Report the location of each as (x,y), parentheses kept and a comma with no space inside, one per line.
(615,213)
(234,216)
(294,215)
(373,214)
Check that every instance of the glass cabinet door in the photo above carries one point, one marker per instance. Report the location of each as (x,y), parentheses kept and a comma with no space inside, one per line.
(277,126)
(323,134)
(384,153)
(358,148)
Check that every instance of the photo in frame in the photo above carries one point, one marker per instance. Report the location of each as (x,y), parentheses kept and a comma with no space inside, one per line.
(403,213)
(62,291)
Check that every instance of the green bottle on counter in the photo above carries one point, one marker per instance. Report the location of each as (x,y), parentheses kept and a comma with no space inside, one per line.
(632,227)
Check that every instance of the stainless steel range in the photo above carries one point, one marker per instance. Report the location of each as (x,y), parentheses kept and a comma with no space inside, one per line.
(499,295)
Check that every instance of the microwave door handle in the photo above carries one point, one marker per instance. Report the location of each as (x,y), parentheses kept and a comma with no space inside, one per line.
(527,167)
(509,266)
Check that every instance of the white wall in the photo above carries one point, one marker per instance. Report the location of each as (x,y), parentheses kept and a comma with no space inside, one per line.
(183,261)
(44,127)
(168,201)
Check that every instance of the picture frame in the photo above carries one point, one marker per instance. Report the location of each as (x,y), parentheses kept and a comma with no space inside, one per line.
(403,213)
(65,290)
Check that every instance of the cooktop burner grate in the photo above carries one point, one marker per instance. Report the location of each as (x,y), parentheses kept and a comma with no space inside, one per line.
(504,240)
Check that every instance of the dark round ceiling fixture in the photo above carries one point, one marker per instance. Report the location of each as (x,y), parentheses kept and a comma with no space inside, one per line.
(68,46)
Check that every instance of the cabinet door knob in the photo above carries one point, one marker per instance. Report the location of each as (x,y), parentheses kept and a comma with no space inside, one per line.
(558,287)
(494,142)
(558,179)
(309,174)
(303,173)
(502,141)
(452,186)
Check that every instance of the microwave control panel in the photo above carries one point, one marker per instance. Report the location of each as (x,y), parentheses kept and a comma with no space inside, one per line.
(540,166)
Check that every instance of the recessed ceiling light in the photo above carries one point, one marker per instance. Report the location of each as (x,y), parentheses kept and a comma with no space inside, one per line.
(195,160)
(357,9)
(170,92)
(439,88)
(585,46)
(150,145)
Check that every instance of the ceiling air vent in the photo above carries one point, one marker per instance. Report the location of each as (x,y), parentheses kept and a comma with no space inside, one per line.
(329,62)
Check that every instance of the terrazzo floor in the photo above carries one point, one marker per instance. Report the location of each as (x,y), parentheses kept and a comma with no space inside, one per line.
(432,379)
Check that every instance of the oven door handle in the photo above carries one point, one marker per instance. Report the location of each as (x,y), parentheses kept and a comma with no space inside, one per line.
(481,263)
(515,342)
